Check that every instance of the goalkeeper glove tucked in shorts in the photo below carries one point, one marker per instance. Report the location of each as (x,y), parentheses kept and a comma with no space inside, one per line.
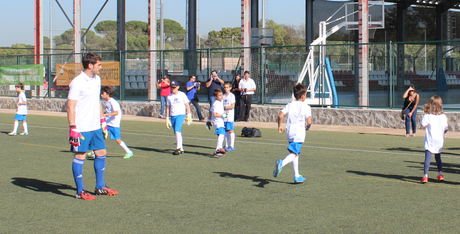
(74,135)
(168,122)
(104,127)
(189,119)
(208,124)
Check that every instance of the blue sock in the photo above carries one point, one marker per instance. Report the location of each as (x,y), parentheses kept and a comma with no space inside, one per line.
(99,168)
(77,169)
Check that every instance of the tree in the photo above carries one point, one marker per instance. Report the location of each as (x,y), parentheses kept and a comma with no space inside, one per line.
(224,37)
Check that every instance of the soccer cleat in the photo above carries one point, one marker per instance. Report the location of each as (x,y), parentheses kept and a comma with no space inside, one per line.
(84,195)
(90,155)
(229,149)
(440,178)
(219,153)
(128,155)
(178,151)
(24,134)
(12,133)
(424,180)
(208,125)
(278,168)
(299,179)
(105,191)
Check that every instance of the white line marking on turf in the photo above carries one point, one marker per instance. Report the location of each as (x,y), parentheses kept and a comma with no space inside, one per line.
(260,143)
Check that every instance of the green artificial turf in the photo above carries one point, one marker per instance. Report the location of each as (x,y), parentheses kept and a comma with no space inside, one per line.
(356,183)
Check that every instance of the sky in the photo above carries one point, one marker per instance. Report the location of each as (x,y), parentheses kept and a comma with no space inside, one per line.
(17,16)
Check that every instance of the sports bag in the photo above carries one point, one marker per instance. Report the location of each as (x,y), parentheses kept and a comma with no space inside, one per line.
(250,132)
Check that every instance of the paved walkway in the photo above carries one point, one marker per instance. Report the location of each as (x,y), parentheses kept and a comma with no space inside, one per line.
(329,128)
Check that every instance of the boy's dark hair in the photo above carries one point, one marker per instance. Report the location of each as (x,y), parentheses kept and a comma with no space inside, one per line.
(213,71)
(216,91)
(19,85)
(247,72)
(90,58)
(190,77)
(228,83)
(299,90)
(110,90)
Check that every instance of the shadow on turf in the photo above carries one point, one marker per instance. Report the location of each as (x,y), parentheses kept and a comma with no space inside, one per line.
(261,182)
(169,151)
(420,151)
(42,186)
(446,167)
(412,179)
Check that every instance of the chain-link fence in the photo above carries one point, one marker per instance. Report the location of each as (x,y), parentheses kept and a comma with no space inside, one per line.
(433,67)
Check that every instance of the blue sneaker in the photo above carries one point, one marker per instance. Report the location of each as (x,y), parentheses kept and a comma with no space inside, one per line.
(230,149)
(299,179)
(278,168)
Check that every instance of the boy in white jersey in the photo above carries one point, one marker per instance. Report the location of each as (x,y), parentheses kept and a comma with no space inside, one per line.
(217,111)
(112,115)
(229,108)
(21,111)
(177,105)
(298,112)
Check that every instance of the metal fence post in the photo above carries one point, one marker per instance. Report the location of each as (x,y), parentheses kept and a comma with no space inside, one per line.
(122,75)
(49,76)
(390,75)
(262,75)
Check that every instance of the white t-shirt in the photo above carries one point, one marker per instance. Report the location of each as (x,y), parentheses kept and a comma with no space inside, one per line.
(22,109)
(434,132)
(217,107)
(86,92)
(111,106)
(177,103)
(228,101)
(297,112)
(250,84)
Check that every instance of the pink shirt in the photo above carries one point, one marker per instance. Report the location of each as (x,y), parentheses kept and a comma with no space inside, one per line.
(165,89)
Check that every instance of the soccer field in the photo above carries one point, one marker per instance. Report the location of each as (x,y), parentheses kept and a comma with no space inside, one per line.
(356,183)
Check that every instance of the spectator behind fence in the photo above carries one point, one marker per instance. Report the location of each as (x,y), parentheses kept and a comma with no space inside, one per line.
(237,92)
(247,87)
(164,84)
(214,82)
(192,89)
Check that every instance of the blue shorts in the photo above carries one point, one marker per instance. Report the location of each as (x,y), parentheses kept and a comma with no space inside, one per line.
(294,147)
(228,126)
(20,117)
(94,140)
(220,131)
(177,122)
(114,132)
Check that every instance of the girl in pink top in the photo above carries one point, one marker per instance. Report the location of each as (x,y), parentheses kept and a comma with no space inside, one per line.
(165,92)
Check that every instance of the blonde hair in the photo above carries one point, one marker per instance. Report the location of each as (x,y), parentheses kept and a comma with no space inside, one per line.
(433,106)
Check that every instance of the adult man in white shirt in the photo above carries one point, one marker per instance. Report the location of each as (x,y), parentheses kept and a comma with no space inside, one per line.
(88,126)
(247,87)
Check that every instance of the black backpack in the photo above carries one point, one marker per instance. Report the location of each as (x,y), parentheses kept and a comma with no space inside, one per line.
(250,132)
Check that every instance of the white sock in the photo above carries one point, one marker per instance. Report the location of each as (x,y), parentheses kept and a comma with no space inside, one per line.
(179,141)
(24,124)
(440,173)
(232,142)
(220,141)
(15,126)
(289,158)
(295,166)
(125,147)
(227,139)
(426,175)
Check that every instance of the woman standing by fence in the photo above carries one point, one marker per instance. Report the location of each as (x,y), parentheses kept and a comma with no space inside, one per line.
(411,99)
